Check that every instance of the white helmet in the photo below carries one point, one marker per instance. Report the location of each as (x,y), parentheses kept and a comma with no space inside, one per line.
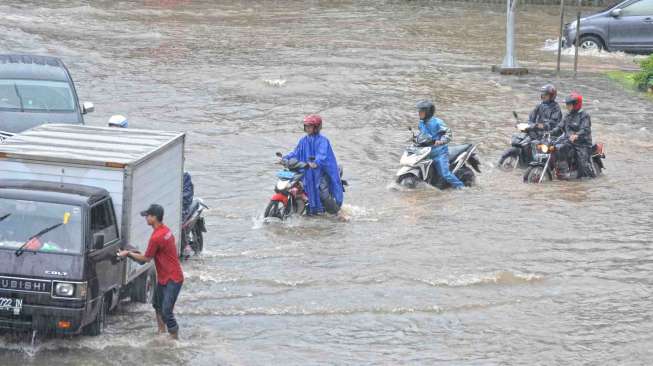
(118,120)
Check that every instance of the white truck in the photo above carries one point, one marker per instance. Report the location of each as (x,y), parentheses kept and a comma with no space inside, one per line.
(70,198)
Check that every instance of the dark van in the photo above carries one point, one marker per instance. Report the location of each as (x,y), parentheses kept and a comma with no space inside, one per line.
(35,90)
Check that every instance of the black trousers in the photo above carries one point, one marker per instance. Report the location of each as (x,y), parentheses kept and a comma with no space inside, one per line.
(583,156)
(328,202)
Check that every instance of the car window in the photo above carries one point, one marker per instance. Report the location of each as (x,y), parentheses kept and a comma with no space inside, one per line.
(8,97)
(36,95)
(103,222)
(640,8)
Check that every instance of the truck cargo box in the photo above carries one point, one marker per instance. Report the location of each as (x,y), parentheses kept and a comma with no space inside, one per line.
(137,167)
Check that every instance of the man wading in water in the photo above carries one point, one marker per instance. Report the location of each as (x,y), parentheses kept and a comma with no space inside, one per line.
(163,250)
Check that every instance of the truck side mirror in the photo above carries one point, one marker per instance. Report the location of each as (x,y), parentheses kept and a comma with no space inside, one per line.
(98,241)
(616,13)
(87,107)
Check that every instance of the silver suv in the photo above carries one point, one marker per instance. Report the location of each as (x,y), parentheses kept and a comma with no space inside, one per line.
(626,26)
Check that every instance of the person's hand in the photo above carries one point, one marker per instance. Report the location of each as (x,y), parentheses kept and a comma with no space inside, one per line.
(312,165)
(540,126)
(123,253)
(573,138)
(438,143)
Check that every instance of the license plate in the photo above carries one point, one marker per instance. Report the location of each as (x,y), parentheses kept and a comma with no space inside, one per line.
(14,305)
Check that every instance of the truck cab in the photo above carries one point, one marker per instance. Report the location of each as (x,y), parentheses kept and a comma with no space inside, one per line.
(58,268)
(70,198)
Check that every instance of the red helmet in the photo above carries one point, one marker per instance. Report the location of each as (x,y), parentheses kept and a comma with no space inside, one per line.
(313,120)
(576,99)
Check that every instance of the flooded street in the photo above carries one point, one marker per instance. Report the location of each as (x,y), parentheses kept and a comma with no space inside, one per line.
(503,273)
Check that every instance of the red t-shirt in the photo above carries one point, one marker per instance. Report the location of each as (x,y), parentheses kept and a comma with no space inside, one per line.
(163,249)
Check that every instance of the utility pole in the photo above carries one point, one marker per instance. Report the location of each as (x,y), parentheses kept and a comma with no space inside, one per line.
(509,65)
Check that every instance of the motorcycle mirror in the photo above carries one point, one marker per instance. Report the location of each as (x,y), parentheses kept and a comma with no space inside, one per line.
(410,128)
(279,154)
(514,114)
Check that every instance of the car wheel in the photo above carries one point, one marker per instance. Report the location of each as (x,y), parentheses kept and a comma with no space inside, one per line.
(591,43)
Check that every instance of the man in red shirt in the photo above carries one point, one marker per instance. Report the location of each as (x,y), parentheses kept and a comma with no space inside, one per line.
(163,250)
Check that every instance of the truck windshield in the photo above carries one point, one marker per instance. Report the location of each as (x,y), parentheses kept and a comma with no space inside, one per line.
(27,218)
(36,96)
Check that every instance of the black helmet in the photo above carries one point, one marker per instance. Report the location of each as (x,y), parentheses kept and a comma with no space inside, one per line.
(426,106)
(549,89)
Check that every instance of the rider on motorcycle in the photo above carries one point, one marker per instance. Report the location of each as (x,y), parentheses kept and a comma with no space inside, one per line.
(322,182)
(438,131)
(577,128)
(547,115)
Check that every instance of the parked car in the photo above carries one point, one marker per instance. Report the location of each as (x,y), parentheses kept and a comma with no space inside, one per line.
(67,208)
(626,26)
(35,90)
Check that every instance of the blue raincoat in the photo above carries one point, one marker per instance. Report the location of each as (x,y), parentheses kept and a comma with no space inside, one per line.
(319,147)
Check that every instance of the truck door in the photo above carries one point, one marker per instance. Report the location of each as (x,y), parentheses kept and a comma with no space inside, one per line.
(633,29)
(105,269)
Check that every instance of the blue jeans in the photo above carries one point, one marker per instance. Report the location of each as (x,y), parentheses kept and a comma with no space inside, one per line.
(441,163)
(163,302)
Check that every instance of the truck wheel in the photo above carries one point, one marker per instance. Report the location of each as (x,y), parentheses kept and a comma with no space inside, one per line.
(97,326)
(143,288)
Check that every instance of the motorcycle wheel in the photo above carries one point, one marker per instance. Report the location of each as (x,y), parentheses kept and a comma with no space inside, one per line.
(509,160)
(198,240)
(275,209)
(466,175)
(408,181)
(534,173)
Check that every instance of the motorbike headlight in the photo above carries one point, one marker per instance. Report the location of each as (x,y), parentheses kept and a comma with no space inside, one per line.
(64,289)
(543,148)
(283,185)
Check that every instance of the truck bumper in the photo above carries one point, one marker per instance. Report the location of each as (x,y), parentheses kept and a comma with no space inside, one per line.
(46,319)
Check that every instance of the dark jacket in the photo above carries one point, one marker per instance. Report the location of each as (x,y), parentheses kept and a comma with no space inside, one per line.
(578,123)
(547,113)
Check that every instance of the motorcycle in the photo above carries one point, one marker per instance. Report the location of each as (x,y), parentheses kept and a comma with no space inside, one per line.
(416,164)
(193,228)
(545,165)
(289,197)
(521,150)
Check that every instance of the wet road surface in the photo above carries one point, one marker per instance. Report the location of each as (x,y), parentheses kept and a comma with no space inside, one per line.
(503,273)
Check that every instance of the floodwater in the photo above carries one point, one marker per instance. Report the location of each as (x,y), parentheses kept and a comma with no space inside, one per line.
(503,273)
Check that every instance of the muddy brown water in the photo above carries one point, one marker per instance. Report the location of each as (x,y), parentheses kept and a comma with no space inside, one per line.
(503,273)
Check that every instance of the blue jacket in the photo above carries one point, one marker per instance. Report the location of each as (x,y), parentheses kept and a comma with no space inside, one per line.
(438,131)
(319,147)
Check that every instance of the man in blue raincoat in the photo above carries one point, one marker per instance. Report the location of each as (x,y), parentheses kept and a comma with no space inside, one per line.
(437,130)
(322,182)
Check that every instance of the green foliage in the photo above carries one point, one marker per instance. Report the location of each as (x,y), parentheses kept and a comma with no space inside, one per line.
(644,78)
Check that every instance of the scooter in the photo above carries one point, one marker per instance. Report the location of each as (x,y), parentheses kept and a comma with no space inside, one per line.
(521,150)
(416,164)
(546,165)
(193,228)
(289,197)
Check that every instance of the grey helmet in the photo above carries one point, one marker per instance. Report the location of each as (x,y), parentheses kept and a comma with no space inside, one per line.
(549,89)
(426,106)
